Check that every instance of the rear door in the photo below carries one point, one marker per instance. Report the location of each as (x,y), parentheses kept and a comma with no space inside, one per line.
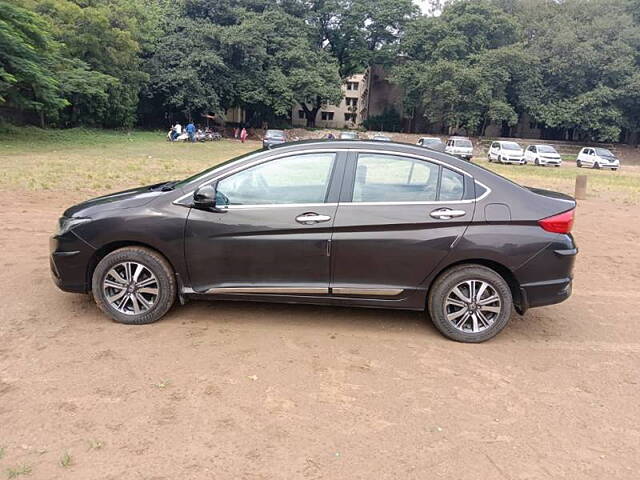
(272,229)
(398,217)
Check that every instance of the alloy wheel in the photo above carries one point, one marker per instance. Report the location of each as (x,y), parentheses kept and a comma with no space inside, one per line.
(131,288)
(472,306)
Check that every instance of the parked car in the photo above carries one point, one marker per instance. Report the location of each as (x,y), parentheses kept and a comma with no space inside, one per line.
(274,137)
(460,147)
(381,138)
(596,157)
(542,155)
(506,152)
(348,135)
(335,223)
(434,143)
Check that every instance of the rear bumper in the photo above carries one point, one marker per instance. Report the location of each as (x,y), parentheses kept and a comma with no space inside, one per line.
(69,260)
(540,294)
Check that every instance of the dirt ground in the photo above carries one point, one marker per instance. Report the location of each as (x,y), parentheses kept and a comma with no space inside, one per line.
(256,391)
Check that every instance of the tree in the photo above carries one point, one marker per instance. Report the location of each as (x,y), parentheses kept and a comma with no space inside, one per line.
(27,55)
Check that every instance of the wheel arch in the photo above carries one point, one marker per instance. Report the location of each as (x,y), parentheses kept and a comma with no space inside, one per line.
(106,249)
(497,267)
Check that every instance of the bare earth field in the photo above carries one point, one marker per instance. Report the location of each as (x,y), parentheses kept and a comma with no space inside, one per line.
(255,391)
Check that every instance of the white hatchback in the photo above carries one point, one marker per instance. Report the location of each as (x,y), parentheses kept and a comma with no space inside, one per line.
(506,152)
(596,157)
(542,155)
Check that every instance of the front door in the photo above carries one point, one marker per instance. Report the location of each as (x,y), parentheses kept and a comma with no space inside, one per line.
(271,231)
(400,218)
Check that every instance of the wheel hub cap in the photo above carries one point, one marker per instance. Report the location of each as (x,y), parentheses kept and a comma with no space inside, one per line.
(130,288)
(473,306)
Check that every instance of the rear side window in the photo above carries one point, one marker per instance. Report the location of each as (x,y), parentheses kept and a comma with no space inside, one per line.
(387,178)
(390,178)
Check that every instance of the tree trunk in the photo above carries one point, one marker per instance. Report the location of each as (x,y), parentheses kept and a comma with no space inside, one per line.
(310,114)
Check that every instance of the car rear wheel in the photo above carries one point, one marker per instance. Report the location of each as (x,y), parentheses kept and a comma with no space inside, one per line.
(134,285)
(470,303)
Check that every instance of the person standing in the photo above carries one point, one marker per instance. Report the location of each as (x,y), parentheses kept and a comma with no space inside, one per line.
(177,130)
(243,134)
(191,131)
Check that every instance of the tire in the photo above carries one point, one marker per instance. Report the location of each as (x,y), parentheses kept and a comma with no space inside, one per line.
(500,159)
(442,289)
(489,158)
(536,162)
(578,164)
(155,274)
(596,165)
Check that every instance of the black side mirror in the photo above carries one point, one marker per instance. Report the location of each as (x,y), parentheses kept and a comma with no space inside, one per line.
(205,197)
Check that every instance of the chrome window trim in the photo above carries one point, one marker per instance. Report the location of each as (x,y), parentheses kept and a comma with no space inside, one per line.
(212,177)
(278,205)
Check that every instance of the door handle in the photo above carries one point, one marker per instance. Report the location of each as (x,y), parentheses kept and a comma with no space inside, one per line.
(447,213)
(311,218)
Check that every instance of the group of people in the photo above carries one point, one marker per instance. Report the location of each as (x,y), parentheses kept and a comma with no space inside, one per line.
(177,133)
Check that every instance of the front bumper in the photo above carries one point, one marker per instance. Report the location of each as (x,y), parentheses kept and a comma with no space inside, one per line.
(69,260)
(516,160)
(550,161)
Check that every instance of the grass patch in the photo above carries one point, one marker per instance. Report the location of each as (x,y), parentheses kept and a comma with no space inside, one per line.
(18,471)
(101,161)
(97,160)
(66,460)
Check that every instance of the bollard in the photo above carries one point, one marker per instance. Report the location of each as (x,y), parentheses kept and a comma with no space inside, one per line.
(581,187)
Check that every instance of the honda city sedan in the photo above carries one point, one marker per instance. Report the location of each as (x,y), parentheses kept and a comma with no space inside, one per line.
(344,223)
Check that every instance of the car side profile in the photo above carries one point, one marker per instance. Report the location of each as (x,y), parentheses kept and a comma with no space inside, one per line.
(506,152)
(344,223)
(542,155)
(434,143)
(595,157)
(273,138)
(461,147)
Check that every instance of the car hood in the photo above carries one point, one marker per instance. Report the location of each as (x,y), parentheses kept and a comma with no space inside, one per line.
(135,197)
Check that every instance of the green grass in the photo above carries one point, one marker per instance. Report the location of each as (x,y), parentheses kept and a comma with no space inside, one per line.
(100,161)
(18,471)
(97,160)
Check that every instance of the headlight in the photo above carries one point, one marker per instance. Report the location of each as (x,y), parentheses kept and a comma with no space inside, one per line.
(67,223)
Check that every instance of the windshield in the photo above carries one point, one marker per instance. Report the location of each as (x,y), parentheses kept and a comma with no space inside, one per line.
(546,149)
(431,141)
(603,152)
(511,146)
(275,134)
(463,143)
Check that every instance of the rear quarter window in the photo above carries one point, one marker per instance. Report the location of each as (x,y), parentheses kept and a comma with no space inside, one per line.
(451,186)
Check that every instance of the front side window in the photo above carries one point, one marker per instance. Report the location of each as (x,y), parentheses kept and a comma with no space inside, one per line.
(387,178)
(296,179)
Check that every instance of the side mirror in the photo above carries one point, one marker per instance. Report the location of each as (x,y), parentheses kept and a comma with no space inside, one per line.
(205,197)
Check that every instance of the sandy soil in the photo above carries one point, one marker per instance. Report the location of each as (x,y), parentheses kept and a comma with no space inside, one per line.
(255,391)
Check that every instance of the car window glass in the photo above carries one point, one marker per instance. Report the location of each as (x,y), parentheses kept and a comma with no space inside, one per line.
(451,186)
(295,179)
(387,178)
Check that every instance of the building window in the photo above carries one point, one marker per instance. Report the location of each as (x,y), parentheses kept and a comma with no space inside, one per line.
(351,101)
(327,116)
(350,117)
(301,114)
(352,86)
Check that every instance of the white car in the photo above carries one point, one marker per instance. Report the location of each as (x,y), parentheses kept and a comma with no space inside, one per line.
(506,152)
(460,147)
(542,155)
(596,157)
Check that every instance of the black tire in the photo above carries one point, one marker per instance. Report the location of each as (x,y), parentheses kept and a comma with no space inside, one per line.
(578,164)
(500,159)
(454,276)
(596,166)
(156,264)
(537,162)
(489,157)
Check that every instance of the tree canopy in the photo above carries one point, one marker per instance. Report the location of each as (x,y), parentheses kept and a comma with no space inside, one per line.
(571,66)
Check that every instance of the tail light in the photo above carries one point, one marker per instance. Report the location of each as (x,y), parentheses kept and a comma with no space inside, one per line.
(561,223)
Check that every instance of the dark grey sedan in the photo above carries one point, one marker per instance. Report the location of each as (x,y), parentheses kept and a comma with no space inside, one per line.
(273,138)
(369,224)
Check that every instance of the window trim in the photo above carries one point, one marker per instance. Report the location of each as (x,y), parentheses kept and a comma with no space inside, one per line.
(343,156)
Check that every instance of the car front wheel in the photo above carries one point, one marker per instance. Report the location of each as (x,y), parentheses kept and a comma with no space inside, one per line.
(134,285)
(470,303)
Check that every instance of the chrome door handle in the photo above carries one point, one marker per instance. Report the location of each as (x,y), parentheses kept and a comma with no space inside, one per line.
(311,218)
(447,213)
